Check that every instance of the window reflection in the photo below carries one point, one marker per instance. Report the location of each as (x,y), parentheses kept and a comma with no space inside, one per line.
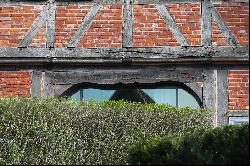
(97,94)
(162,96)
(186,99)
(173,96)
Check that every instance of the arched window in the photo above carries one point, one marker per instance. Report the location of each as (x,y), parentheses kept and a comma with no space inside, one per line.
(172,95)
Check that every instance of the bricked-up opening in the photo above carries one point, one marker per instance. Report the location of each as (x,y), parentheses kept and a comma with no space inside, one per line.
(173,95)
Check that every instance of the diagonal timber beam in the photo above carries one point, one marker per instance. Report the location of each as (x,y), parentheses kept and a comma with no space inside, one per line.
(47,15)
(224,28)
(165,14)
(84,26)
(37,25)
(127,33)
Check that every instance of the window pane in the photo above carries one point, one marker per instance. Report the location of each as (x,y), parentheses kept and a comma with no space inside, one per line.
(162,96)
(166,95)
(97,94)
(76,96)
(185,99)
(238,120)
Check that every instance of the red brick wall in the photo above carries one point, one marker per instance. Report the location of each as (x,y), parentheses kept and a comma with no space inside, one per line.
(188,18)
(15,21)
(105,31)
(217,38)
(150,30)
(236,16)
(68,21)
(238,89)
(15,84)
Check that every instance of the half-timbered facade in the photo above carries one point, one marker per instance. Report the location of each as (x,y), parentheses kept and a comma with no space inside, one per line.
(130,47)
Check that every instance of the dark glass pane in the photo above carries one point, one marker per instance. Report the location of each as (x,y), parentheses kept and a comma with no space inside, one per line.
(185,99)
(76,96)
(97,94)
(162,96)
(166,95)
(131,95)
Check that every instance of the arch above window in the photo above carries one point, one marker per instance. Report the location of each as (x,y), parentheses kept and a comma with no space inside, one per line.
(172,95)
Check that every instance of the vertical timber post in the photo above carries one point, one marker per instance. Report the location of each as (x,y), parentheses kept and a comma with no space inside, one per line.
(206,26)
(127,33)
(51,25)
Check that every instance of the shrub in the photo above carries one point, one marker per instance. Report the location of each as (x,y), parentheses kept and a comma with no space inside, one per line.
(219,146)
(61,131)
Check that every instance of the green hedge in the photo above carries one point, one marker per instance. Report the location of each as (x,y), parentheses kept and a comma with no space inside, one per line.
(219,146)
(61,131)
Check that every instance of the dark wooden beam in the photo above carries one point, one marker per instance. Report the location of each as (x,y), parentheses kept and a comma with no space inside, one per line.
(127,33)
(206,35)
(51,24)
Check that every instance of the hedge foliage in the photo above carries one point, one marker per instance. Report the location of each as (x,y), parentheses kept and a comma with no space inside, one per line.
(219,146)
(61,131)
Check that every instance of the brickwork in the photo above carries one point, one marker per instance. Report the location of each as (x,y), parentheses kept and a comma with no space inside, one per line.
(236,16)
(106,29)
(238,89)
(150,30)
(187,17)
(15,21)
(121,24)
(217,38)
(68,21)
(15,84)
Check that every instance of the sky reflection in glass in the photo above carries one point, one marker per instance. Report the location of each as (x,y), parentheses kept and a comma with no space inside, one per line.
(173,96)
(162,96)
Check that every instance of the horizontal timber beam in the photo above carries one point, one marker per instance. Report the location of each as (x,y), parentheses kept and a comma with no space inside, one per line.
(106,56)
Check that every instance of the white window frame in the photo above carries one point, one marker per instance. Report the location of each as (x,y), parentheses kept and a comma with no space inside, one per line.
(238,120)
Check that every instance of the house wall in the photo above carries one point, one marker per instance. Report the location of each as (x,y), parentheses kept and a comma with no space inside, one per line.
(238,89)
(49,46)
(15,84)
(149,28)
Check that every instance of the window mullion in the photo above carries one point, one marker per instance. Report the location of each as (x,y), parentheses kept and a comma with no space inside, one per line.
(81,94)
(177,98)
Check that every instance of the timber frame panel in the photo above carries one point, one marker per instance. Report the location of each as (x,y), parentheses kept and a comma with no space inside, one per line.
(203,68)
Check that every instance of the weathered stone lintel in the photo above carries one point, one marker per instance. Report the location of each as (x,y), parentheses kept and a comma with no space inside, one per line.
(147,76)
(104,77)
(155,52)
(105,56)
(132,61)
